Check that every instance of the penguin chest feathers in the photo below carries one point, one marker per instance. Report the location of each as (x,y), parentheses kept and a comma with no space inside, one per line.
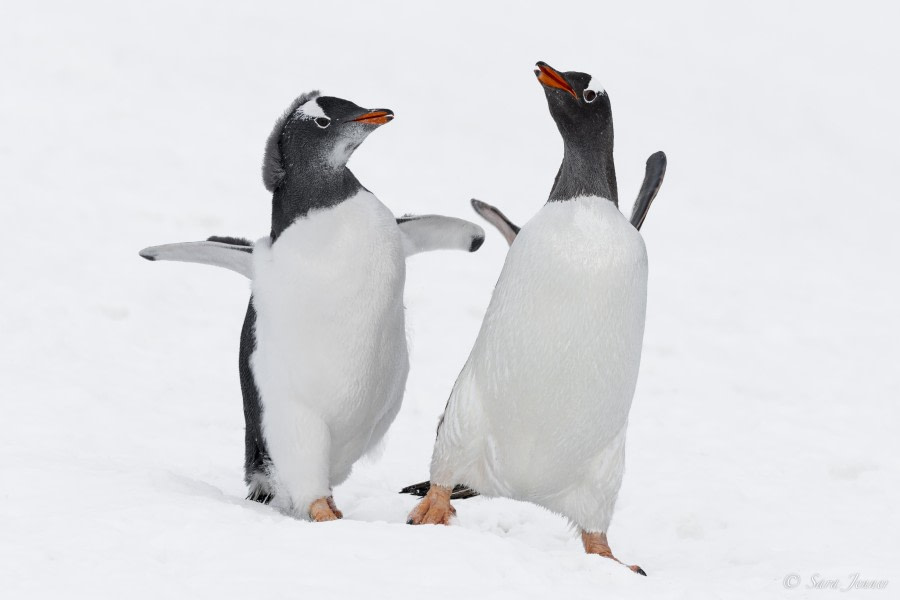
(558,354)
(330,332)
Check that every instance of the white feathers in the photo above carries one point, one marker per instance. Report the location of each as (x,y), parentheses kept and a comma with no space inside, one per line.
(311,110)
(424,233)
(273,166)
(419,233)
(331,358)
(595,86)
(343,148)
(539,411)
(217,254)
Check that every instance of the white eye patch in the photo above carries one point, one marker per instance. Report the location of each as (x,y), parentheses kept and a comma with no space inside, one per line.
(592,91)
(311,110)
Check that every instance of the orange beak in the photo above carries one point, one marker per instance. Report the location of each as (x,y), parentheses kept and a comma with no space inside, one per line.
(375,117)
(550,77)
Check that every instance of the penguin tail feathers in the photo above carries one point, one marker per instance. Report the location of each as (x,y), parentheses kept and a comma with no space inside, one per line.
(460,492)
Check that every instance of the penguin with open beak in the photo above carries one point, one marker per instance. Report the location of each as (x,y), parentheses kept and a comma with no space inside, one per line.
(539,412)
(323,357)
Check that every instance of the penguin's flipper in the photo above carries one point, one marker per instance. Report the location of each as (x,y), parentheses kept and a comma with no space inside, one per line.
(492,215)
(460,492)
(424,233)
(230,253)
(653,178)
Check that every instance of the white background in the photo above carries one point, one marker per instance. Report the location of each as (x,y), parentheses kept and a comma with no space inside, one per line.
(763,437)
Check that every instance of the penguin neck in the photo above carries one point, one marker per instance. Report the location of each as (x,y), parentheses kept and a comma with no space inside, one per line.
(306,189)
(587,169)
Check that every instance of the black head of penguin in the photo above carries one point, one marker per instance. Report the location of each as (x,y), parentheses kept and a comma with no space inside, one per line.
(583,115)
(305,164)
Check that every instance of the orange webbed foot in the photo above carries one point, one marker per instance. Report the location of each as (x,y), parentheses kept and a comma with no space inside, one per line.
(434,508)
(597,543)
(321,510)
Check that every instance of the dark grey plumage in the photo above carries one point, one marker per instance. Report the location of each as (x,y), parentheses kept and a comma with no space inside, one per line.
(653,178)
(234,241)
(273,162)
(586,127)
(256,455)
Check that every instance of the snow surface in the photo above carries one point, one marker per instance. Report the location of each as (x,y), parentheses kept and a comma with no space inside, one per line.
(763,438)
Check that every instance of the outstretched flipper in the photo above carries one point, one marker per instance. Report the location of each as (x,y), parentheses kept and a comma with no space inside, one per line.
(460,492)
(230,253)
(492,215)
(653,178)
(424,233)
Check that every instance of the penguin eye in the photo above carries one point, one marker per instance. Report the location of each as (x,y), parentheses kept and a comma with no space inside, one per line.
(322,122)
(589,96)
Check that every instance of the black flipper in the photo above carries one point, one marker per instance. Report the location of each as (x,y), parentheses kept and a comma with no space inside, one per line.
(653,178)
(492,215)
(460,492)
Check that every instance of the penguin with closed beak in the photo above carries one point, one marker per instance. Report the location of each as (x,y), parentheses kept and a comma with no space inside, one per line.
(323,356)
(540,410)
(654,173)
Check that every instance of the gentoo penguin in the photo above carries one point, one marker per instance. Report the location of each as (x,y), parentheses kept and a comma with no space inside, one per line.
(540,409)
(323,357)
(654,173)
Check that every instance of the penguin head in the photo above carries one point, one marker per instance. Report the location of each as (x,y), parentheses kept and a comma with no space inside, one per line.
(580,107)
(318,132)
(578,104)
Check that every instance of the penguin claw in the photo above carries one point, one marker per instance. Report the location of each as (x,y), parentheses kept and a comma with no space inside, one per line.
(333,507)
(597,543)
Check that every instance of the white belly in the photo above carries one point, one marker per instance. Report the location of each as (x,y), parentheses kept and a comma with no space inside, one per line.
(330,335)
(546,392)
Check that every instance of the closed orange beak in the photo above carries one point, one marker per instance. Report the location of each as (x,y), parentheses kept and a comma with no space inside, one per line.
(550,77)
(375,117)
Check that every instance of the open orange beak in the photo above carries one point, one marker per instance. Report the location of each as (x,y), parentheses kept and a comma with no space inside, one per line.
(375,117)
(550,77)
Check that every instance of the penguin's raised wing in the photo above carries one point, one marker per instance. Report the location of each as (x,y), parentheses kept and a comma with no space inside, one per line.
(653,178)
(492,215)
(424,233)
(234,254)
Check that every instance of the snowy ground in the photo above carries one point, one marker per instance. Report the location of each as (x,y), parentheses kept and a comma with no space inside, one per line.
(763,435)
